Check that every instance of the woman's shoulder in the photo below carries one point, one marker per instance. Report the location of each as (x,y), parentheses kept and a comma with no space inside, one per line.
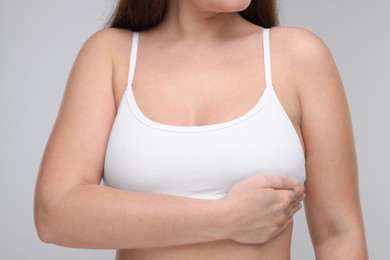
(112,34)
(300,45)
(306,60)
(294,32)
(110,40)
(303,52)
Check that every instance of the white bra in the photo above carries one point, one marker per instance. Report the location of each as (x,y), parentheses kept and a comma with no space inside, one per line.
(201,161)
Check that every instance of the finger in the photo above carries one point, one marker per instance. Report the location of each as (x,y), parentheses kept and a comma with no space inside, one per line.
(297,193)
(283,227)
(299,188)
(294,196)
(297,201)
(295,209)
(279,182)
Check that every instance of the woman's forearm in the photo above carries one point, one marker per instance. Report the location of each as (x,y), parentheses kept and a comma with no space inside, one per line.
(254,210)
(94,216)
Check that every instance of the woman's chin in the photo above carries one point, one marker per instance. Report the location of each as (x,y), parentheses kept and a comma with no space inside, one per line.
(225,6)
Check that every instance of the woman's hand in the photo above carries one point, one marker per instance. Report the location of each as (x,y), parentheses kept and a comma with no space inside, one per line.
(262,207)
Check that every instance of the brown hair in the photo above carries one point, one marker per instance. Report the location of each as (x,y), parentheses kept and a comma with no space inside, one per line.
(138,15)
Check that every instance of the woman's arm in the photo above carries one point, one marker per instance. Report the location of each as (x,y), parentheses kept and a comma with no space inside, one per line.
(72,209)
(332,203)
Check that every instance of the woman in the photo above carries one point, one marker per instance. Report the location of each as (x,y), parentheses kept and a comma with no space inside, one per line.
(204,125)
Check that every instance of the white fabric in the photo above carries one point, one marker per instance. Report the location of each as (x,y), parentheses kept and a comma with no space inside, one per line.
(201,161)
(267,58)
(133,58)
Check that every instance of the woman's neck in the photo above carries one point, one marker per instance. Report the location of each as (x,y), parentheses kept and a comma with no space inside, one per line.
(187,22)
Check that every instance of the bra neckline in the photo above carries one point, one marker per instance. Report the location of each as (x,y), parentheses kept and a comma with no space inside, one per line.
(140,116)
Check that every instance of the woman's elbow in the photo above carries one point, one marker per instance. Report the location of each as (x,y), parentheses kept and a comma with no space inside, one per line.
(42,226)
(45,220)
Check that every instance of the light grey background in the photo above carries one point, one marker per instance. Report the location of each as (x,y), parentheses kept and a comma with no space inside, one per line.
(39,41)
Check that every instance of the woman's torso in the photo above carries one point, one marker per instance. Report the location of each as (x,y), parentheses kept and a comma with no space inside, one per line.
(213,96)
(276,249)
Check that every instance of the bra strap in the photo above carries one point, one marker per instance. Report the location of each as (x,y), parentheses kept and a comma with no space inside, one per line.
(133,58)
(267,58)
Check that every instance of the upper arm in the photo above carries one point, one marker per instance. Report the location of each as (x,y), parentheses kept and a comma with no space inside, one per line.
(332,200)
(76,148)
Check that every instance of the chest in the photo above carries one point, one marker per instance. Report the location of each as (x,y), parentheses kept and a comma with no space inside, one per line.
(200,161)
(198,92)
(192,87)
(193,125)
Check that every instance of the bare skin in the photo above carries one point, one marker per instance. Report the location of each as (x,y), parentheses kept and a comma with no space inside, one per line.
(73,210)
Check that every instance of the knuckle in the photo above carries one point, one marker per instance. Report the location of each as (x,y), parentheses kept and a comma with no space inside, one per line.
(298,193)
(272,230)
(263,179)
